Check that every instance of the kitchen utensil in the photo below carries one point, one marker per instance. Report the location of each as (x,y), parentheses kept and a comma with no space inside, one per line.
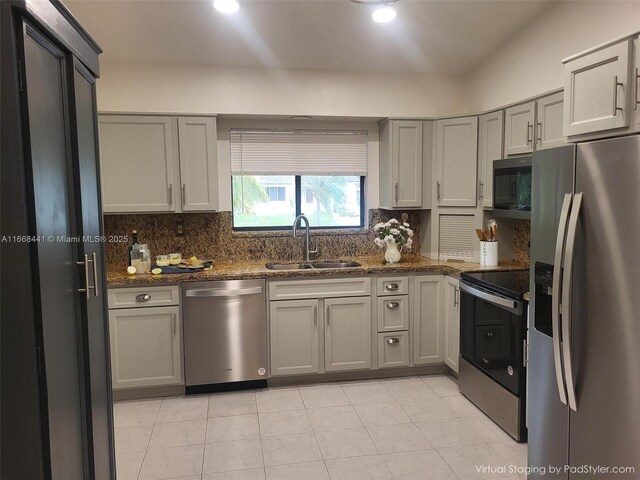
(479,234)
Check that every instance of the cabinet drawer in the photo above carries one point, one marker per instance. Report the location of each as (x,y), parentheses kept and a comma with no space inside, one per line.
(337,287)
(143,297)
(393,313)
(393,349)
(392,285)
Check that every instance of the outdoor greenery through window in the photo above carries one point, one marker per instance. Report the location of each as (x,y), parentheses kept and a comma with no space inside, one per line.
(279,175)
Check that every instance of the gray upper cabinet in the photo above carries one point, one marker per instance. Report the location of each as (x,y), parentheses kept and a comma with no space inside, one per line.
(347,341)
(596,86)
(635,101)
(138,155)
(518,129)
(401,163)
(158,164)
(198,163)
(456,154)
(490,133)
(549,121)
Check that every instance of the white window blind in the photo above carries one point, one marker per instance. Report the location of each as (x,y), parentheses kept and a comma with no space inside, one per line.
(298,152)
(457,238)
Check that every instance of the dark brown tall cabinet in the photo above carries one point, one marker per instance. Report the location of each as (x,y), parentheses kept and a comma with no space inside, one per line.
(56,416)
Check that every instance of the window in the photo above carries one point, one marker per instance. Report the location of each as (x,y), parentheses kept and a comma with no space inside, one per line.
(277,175)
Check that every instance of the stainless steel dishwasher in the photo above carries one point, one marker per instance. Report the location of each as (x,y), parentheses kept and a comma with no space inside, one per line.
(225,335)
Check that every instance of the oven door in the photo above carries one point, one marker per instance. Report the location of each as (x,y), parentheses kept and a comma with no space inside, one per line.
(492,332)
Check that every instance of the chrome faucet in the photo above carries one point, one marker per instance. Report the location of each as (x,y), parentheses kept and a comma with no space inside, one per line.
(308,253)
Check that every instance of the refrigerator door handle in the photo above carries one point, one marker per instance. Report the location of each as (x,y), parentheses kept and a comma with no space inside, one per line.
(555,296)
(566,300)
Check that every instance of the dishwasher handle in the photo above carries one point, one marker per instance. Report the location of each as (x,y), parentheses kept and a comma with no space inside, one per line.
(219,292)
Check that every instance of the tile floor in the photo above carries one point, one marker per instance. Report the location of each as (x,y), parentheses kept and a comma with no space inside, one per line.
(412,428)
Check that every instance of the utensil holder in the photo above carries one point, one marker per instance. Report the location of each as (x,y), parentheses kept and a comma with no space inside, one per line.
(489,254)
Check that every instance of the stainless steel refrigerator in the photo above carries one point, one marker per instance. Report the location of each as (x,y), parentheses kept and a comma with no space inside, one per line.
(584,325)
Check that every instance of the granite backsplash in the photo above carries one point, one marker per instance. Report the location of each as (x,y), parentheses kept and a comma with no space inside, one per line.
(211,236)
(521,239)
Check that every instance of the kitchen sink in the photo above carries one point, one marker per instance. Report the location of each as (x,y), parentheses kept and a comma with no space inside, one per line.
(335,264)
(288,266)
(307,266)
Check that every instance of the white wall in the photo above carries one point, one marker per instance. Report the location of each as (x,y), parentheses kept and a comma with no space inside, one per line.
(183,88)
(372,193)
(529,63)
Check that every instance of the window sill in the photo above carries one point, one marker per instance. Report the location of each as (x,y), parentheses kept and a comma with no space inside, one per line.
(314,233)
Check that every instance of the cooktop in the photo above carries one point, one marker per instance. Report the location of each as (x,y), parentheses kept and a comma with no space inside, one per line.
(514,283)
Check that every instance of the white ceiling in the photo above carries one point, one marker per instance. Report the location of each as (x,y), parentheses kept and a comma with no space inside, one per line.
(428,36)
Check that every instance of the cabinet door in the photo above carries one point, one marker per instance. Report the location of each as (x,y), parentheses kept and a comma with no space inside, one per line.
(294,337)
(137,163)
(427,320)
(406,155)
(518,129)
(146,347)
(549,121)
(635,100)
(596,87)
(491,129)
(451,322)
(456,161)
(198,163)
(347,340)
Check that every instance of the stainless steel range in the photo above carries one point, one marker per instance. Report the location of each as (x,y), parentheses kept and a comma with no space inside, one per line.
(493,332)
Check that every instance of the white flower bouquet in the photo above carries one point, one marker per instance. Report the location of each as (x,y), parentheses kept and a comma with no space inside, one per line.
(392,232)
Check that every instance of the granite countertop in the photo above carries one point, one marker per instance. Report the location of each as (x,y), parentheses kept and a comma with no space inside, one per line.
(251,269)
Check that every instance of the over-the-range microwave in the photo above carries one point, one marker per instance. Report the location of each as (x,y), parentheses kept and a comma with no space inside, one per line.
(512,187)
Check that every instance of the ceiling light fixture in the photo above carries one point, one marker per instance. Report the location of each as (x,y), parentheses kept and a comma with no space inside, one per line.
(384,14)
(226,6)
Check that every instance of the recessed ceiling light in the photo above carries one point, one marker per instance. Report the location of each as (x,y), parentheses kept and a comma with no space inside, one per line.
(226,6)
(383,15)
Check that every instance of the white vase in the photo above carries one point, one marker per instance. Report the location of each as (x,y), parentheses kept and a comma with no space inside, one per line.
(392,253)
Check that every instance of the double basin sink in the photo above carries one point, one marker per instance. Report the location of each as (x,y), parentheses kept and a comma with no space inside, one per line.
(311,265)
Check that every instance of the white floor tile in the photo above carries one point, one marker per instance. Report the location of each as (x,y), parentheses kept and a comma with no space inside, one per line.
(414,389)
(279,399)
(443,385)
(370,392)
(404,437)
(462,406)
(179,409)
(474,461)
(359,468)
(428,410)
(132,439)
(487,429)
(136,413)
(176,434)
(236,427)
(232,455)
(128,464)
(282,423)
(329,396)
(421,465)
(252,474)
(387,413)
(333,417)
(289,449)
(226,404)
(298,471)
(449,433)
(173,462)
(345,442)
(513,452)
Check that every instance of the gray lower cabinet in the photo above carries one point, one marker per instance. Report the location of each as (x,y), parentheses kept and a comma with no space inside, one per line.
(347,343)
(451,322)
(393,349)
(146,347)
(294,336)
(427,325)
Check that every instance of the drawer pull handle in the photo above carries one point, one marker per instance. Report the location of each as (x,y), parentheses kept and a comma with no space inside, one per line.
(391,286)
(393,305)
(393,341)
(143,297)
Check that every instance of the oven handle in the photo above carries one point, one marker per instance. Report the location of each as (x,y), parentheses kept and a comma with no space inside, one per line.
(506,303)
